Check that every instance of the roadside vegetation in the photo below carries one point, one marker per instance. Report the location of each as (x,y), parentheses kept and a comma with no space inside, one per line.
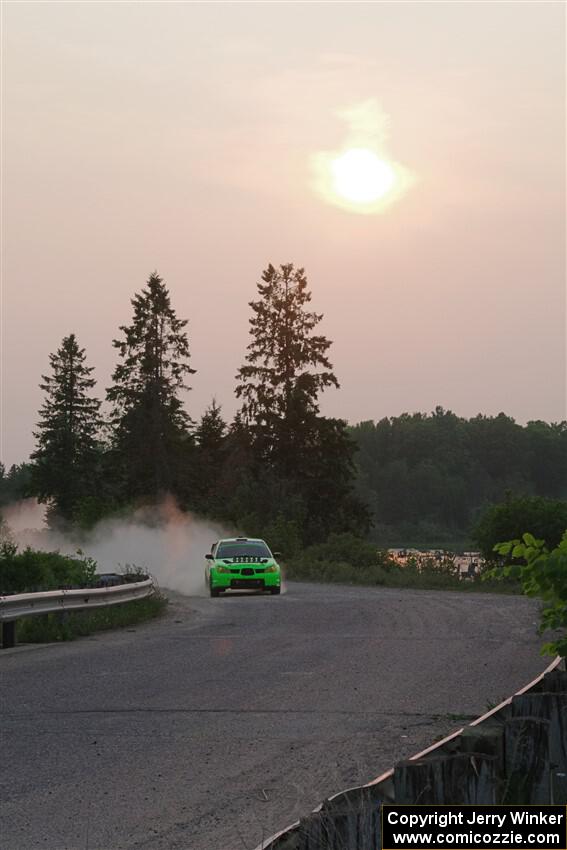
(541,572)
(31,570)
(508,520)
(68,626)
(344,559)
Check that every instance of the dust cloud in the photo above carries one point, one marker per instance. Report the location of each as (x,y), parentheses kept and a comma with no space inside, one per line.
(162,540)
(24,518)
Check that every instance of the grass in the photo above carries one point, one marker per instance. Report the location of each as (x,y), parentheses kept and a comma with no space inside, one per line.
(73,624)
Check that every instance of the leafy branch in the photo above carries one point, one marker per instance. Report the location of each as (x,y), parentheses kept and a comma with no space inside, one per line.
(542,573)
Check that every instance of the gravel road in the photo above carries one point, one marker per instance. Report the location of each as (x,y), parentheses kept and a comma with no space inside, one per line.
(229,718)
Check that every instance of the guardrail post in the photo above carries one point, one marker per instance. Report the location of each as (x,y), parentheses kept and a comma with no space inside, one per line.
(8,634)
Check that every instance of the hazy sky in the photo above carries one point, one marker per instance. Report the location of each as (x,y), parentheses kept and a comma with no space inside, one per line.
(180,137)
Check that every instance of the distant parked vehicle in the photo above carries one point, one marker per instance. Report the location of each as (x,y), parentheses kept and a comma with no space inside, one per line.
(108,579)
(242,563)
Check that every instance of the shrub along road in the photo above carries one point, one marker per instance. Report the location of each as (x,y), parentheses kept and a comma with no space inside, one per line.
(229,718)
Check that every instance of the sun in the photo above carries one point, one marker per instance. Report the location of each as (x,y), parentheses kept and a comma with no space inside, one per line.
(361,177)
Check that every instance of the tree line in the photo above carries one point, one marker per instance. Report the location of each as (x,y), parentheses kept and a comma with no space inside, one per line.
(428,478)
(279,467)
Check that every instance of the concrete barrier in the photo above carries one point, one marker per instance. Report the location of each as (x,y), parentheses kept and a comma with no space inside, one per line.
(515,753)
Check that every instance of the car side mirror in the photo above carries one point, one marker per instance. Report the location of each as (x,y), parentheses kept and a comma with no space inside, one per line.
(209,557)
(277,554)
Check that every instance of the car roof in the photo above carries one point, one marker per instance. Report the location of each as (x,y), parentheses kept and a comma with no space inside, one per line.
(241,540)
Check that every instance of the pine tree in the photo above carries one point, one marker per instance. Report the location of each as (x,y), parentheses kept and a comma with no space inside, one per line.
(287,366)
(66,459)
(151,429)
(304,461)
(211,439)
(15,484)
(211,431)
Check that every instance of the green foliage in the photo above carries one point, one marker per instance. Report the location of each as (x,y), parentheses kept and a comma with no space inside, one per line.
(344,558)
(421,536)
(92,507)
(426,477)
(287,366)
(211,455)
(547,518)
(31,570)
(55,627)
(349,549)
(67,454)
(542,573)
(302,463)
(211,432)
(151,442)
(282,535)
(16,483)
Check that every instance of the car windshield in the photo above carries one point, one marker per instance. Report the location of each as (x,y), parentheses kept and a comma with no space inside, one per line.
(252,548)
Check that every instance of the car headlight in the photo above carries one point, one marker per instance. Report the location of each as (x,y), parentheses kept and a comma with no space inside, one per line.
(272,569)
(222,569)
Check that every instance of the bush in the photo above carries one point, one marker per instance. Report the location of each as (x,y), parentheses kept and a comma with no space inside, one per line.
(543,573)
(348,549)
(282,535)
(342,558)
(347,559)
(508,520)
(32,570)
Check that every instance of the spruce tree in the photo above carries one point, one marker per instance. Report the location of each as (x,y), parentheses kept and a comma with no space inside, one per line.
(304,461)
(66,458)
(286,366)
(211,439)
(151,440)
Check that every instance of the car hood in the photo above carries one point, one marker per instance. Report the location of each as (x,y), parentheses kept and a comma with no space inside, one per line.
(244,562)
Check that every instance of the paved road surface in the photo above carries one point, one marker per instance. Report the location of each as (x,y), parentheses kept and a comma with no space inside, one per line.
(229,718)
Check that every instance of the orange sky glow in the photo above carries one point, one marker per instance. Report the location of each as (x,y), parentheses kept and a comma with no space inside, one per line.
(410,156)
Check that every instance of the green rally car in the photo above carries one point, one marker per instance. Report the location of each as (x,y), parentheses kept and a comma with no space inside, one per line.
(241,563)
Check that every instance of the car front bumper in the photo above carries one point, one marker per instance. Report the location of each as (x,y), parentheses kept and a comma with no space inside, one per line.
(234,581)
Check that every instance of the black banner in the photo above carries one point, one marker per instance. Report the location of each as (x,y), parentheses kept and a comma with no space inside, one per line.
(474,827)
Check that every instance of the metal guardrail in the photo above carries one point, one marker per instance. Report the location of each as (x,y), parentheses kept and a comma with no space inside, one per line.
(21,605)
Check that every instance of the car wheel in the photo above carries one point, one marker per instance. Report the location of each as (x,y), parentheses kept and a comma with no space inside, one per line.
(215,592)
(275,591)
